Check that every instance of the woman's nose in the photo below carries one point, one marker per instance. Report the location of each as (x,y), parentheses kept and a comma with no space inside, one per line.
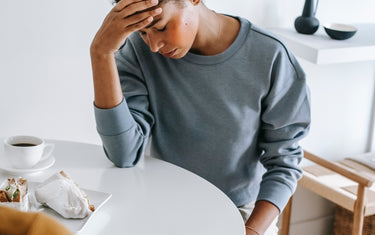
(155,43)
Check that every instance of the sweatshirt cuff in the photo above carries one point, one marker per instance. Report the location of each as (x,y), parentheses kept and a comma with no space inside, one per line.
(275,192)
(113,121)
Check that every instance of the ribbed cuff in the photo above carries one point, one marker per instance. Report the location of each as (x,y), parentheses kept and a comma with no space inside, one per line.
(115,120)
(275,192)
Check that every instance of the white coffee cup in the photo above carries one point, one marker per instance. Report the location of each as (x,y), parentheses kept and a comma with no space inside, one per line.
(26,151)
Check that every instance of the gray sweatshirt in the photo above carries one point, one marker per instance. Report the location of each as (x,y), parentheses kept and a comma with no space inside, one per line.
(234,118)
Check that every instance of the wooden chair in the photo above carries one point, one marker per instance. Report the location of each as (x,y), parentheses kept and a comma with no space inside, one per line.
(358,176)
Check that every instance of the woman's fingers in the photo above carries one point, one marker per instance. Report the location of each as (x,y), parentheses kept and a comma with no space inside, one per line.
(131,7)
(135,14)
(122,4)
(125,18)
(140,25)
(138,7)
(140,18)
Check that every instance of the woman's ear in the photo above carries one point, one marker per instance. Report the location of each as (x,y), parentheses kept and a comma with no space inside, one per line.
(195,2)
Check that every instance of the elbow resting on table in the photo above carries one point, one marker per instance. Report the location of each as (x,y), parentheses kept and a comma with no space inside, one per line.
(123,159)
(124,164)
(125,149)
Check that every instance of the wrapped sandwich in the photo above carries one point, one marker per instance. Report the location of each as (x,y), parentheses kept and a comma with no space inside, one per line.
(61,193)
(14,193)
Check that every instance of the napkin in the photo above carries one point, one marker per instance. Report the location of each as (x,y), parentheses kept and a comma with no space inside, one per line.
(62,195)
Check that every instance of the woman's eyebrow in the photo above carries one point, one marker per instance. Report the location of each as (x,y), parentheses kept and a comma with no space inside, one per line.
(153,23)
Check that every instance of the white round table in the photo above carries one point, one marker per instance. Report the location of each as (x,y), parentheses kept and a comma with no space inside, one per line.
(155,197)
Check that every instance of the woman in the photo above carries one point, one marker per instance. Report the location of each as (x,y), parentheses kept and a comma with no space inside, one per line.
(219,96)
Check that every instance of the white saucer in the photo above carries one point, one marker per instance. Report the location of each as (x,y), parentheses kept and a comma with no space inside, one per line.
(40,166)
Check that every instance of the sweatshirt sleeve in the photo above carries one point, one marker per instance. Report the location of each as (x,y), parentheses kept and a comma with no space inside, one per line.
(285,120)
(125,129)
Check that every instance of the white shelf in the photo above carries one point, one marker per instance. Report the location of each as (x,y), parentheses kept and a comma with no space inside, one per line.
(319,48)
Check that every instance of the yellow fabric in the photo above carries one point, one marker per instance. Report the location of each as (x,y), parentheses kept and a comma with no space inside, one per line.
(14,222)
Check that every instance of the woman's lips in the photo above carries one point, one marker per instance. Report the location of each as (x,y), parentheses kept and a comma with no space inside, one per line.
(169,54)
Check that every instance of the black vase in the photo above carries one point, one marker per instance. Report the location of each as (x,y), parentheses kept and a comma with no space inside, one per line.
(307,23)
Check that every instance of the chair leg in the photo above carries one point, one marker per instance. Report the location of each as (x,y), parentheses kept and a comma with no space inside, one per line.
(286,218)
(359,210)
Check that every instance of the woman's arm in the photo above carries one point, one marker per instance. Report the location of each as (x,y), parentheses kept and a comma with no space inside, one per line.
(285,121)
(263,215)
(124,132)
(121,21)
(107,89)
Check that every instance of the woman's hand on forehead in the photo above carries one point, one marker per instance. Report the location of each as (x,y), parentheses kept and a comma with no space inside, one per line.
(138,13)
(125,18)
(135,5)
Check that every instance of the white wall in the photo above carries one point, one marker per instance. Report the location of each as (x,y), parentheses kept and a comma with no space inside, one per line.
(46,87)
(45,74)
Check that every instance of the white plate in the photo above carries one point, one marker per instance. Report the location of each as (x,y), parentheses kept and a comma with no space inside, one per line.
(75,225)
(40,166)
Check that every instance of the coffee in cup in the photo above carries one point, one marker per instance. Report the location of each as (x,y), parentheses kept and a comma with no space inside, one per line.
(26,151)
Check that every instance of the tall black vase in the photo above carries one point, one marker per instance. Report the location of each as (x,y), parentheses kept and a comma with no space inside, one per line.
(307,23)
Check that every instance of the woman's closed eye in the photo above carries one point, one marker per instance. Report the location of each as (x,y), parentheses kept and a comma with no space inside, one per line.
(163,29)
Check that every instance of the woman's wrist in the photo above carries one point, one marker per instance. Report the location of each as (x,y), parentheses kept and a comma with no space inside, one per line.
(251,230)
(98,52)
(261,217)
(99,57)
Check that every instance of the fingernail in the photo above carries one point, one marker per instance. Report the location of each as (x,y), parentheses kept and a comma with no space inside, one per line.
(157,10)
(154,1)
